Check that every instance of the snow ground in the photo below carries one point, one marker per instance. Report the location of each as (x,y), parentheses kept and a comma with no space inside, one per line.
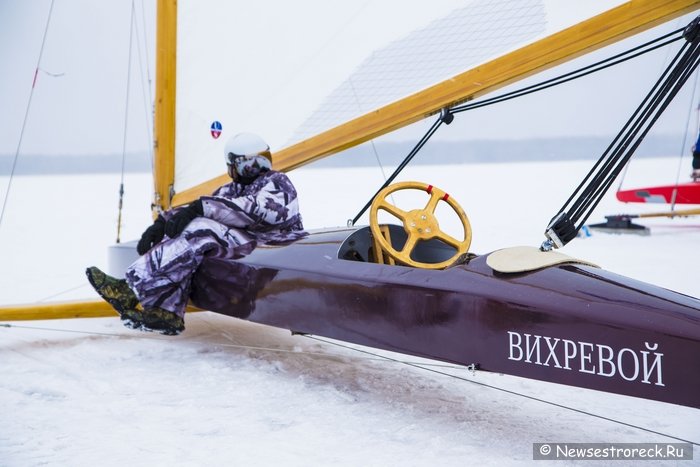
(229,392)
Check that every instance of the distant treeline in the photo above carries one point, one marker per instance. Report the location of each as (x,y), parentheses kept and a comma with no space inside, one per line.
(499,151)
(66,164)
(389,154)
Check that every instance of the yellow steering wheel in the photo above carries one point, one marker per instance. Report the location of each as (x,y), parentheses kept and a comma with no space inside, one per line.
(419,224)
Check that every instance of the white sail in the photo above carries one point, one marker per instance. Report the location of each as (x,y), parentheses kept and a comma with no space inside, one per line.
(291,70)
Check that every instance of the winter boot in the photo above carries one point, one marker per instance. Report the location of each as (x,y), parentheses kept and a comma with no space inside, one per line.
(114,291)
(162,321)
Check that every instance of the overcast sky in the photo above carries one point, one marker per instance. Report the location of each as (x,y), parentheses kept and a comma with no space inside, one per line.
(78,105)
(79,100)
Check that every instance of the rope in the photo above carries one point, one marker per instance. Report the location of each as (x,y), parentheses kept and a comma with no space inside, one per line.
(508,391)
(566,224)
(126,121)
(146,88)
(26,115)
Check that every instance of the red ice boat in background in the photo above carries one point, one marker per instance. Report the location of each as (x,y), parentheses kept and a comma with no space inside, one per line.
(684,193)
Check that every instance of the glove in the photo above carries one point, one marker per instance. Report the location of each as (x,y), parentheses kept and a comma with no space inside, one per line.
(152,236)
(179,221)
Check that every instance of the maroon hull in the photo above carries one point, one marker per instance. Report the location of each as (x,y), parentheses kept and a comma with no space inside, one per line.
(570,324)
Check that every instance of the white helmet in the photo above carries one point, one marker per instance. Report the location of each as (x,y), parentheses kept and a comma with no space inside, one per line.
(245,144)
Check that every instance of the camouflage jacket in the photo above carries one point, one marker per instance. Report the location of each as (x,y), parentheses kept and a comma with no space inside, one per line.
(267,209)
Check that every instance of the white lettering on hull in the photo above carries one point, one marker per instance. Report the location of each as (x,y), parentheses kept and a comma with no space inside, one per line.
(644,365)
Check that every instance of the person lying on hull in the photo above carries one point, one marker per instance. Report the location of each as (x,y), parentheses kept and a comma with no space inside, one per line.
(259,206)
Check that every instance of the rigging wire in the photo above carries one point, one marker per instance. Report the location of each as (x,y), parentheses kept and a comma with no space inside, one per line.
(146,88)
(126,121)
(446,115)
(429,367)
(62,292)
(508,391)
(142,336)
(664,64)
(685,141)
(374,147)
(566,224)
(621,57)
(26,115)
(623,175)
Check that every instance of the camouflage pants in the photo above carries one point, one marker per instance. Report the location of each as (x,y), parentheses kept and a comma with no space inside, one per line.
(162,277)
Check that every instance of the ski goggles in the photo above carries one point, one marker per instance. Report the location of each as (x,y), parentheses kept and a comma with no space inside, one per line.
(231,158)
(248,166)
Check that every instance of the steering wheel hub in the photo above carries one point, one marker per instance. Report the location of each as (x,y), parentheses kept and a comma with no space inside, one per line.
(421,223)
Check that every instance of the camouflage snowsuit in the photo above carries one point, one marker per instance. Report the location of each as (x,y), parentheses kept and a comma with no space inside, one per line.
(236,219)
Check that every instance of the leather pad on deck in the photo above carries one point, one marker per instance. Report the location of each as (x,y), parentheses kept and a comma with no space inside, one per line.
(527,258)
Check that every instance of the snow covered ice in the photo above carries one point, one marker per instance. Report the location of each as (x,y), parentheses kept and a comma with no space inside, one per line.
(229,392)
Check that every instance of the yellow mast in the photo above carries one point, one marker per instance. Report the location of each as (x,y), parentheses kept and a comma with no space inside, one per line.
(164,124)
(611,26)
